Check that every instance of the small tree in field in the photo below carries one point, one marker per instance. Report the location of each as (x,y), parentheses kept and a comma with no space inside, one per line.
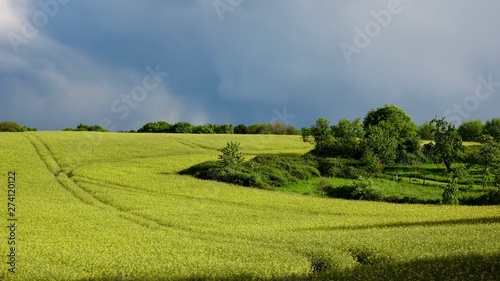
(231,155)
(447,142)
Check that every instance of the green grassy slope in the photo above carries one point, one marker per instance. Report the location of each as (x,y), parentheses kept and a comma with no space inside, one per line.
(96,206)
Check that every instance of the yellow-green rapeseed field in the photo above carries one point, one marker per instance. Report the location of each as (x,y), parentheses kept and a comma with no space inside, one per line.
(111,206)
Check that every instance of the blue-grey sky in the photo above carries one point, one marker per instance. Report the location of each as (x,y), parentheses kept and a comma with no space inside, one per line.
(125,63)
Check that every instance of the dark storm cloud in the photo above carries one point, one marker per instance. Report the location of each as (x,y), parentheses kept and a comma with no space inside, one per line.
(259,57)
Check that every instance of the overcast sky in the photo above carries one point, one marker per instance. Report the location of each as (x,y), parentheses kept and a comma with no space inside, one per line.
(126,63)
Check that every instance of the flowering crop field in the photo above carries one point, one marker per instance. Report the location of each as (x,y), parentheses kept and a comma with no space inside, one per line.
(111,206)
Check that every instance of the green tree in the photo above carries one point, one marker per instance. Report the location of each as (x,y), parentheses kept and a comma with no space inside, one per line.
(395,120)
(156,127)
(291,130)
(259,129)
(90,128)
(204,129)
(182,128)
(241,129)
(382,143)
(320,135)
(471,130)
(223,129)
(231,155)
(492,128)
(426,131)
(447,142)
(487,159)
(347,136)
(10,126)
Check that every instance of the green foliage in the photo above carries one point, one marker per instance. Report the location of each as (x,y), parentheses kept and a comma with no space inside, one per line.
(320,135)
(263,171)
(382,143)
(492,128)
(231,155)
(182,128)
(471,130)
(372,163)
(156,127)
(459,172)
(341,168)
(10,126)
(87,128)
(395,120)
(447,142)
(224,129)
(204,129)
(451,194)
(426,131)
(487,158)
(347,136)
(28,129)
(259,129)
(241,129)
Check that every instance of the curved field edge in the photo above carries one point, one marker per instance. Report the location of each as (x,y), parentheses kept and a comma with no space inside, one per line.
(217,231)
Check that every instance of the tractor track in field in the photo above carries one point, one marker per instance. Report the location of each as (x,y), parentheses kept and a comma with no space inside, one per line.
(71,185)
(195,145)
(81,194)
(117,186)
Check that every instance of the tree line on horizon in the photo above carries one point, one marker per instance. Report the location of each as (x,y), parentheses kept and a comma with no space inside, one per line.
(469,131)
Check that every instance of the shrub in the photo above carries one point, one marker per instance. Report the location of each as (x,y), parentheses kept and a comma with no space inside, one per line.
(325,187)
(363,191)
(263,171)
(341,168)
(451,194)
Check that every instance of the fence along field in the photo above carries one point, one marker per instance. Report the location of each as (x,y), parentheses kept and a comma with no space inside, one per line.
(116,209)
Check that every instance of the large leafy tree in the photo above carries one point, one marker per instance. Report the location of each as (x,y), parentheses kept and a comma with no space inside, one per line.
(347,136)
(395,120)
(10,126)
(156,127)
(471,130)
(492,128)
(183,128)
(447,142)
